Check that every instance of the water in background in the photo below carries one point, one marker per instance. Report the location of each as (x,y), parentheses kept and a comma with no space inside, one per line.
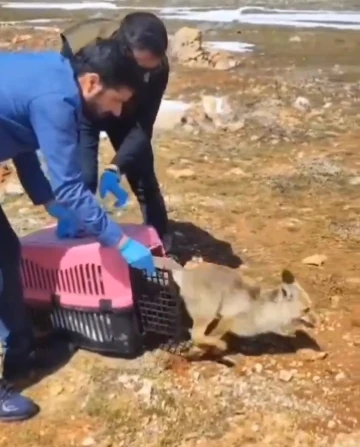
(307,14)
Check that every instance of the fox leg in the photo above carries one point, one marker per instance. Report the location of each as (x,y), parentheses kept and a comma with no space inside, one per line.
(223,327)
(199,338)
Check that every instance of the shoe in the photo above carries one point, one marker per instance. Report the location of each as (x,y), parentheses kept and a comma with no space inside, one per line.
(14,406)
(45,358)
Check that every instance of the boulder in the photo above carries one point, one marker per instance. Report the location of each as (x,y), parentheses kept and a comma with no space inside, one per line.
(187,49)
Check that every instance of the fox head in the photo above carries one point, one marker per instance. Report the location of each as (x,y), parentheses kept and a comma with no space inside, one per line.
(292,301)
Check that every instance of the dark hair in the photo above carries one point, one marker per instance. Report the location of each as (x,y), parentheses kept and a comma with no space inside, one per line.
(110,61)
(143,31)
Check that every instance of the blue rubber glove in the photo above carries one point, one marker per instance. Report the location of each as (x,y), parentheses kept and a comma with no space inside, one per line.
(110,183)
(138,256)
(67,226)
(69,229)
(57,211)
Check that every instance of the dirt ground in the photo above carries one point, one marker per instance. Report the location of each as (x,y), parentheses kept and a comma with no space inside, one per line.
(283,187)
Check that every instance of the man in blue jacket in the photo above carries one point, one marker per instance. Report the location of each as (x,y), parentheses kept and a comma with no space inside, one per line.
(145,36)
(42,98)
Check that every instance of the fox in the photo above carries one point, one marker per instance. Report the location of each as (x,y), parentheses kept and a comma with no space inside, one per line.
(243,308)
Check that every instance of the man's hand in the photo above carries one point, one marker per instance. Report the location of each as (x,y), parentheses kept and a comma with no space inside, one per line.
(68,226)
(136,255)
(69,229)
(58,211)
(110,183)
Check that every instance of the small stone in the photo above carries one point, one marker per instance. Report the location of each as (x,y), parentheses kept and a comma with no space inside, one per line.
(56,389)
(181,173)
(335,300)
(291,224)
(24,210)
(336,69)
(286,376)
(21,38)
(311,355)
(353,280)
(125,380)
(217,107)
(295,39)
(236,125)
(14,189)
(302,104)
(331,424)
(233,359)
(146,391)
(347,336)
(354,181)
(316,260)
(238,172)
(258,367)
(88,442)
(188,49)
(188,128)
(347,439)
(340,376)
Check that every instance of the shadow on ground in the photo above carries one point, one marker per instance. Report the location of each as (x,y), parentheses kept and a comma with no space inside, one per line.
(191,240)
(273,344)
(53,353)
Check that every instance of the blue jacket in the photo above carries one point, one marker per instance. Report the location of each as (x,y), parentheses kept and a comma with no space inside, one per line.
(40,106)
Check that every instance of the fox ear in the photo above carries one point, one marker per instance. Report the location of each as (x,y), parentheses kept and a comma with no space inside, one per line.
(287,277)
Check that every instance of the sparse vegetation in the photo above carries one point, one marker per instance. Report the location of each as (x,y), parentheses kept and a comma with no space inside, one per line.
(292,195)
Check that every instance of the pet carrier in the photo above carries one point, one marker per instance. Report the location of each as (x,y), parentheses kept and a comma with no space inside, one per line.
(89,293)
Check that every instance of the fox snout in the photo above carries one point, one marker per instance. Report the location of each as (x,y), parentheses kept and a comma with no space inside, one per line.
(309,319)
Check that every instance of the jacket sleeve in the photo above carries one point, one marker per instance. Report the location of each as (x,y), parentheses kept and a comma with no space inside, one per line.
(32,178)
(150,109)
(55,122)
(132,148)
(139,136)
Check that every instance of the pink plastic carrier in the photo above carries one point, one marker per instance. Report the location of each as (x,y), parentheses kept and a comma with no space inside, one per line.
(88,292)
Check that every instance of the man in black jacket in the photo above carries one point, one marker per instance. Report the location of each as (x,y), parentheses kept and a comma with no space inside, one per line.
(146,37)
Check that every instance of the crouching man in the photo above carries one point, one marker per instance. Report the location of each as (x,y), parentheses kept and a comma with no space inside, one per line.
(145,36)
(42,98)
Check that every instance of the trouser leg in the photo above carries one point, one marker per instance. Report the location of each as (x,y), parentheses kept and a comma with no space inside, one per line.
(145,186)
(135,159)
(16,335)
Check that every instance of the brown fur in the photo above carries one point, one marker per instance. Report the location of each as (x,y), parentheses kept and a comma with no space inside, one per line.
(213,291)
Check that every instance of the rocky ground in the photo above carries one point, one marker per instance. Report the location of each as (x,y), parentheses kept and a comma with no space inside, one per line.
(272,178)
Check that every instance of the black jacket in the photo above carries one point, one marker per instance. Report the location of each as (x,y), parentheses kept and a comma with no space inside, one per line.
(141,111)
